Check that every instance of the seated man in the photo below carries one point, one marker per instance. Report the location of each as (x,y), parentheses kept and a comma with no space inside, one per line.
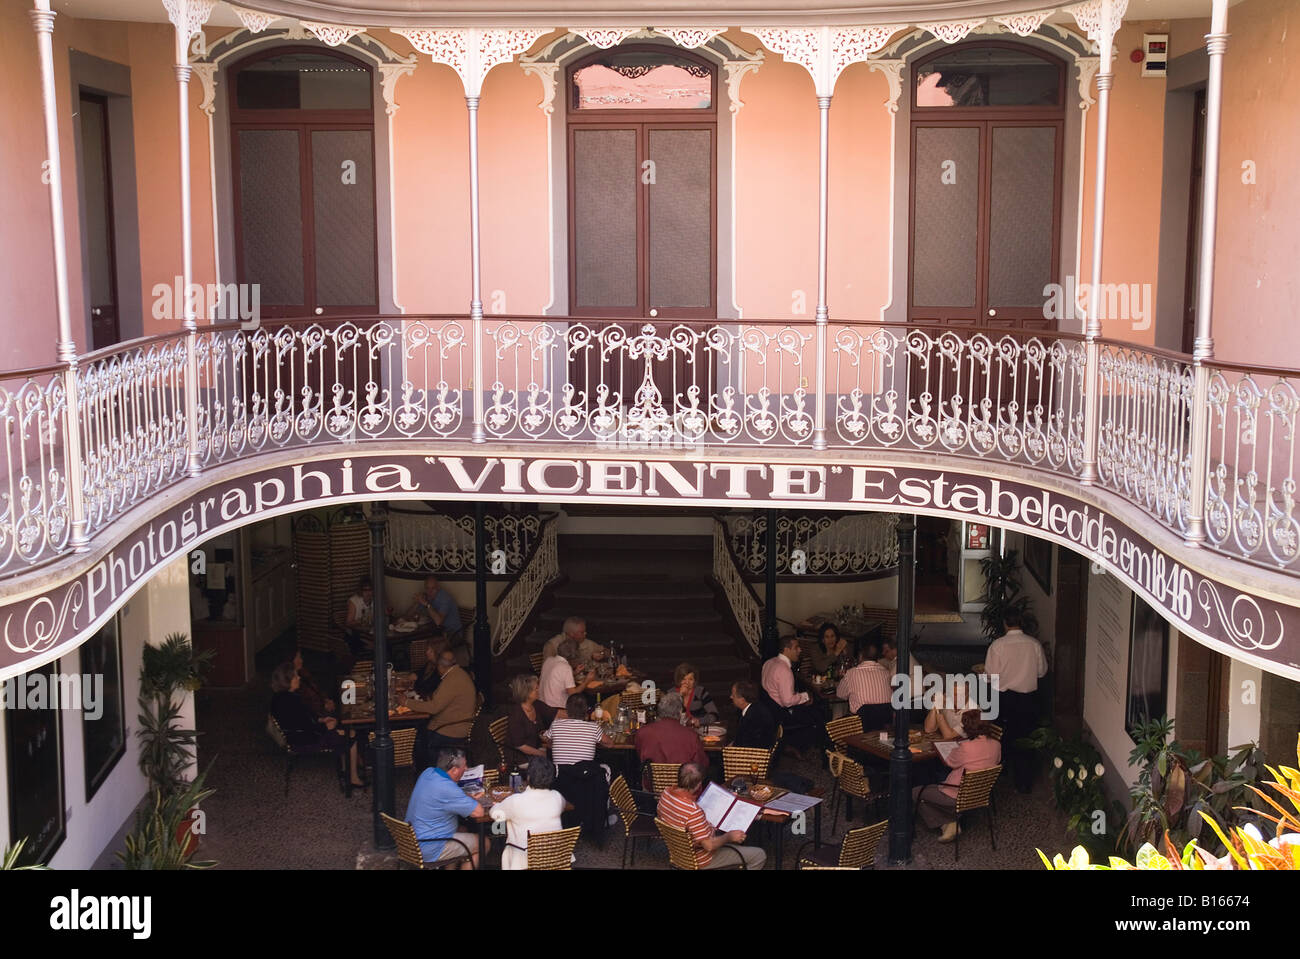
(801,717)
(451,710)
(557,683)
(677,807)
(583,781)
(433,604)
(757,728)
(889,657)
(666,740)
(575,628)
(436,804)
(937,804)
(868,688)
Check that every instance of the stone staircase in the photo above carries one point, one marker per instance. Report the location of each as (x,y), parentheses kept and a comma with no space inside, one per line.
(652,596)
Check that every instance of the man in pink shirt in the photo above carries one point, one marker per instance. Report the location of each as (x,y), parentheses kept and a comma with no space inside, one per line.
(937,803)
(801,718)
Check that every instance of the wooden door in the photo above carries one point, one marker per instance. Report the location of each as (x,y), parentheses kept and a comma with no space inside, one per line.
(97,178)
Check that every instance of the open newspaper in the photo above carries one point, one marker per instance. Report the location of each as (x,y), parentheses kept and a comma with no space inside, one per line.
(725,810)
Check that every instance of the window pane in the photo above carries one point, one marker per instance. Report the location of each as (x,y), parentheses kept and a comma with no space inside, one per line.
(343,197)
(270,214)
(104,735)
(1020,220)
(639,80)
(35,764)
(604,217)
(947,216)
(988,77)
(303,81)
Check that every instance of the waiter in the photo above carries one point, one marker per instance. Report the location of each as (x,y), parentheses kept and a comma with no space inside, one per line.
(1015,662)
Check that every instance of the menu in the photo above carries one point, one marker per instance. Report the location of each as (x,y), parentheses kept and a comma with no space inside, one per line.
(725,810)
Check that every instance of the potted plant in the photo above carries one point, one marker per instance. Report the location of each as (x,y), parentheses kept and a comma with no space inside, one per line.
(9,861)
(1075,768)
(164,836)
(1001,592)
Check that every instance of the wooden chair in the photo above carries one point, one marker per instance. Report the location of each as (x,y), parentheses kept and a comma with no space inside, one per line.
(839,730)
(403,746)
(856,851)
(681,850)
(536,660)
(663,776)
(635,824)
(294,753)
(552,850)
(408,847)
(747,761)
(497,730)
(850,782)
(974,793)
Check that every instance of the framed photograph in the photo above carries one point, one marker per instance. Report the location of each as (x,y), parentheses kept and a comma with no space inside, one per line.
(103,722)
(1148,667)
(1038,560)
(977,536)
(34,746)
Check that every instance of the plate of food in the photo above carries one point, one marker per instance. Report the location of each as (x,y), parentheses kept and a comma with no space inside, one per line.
(498,793)
(761,792)
(713,732)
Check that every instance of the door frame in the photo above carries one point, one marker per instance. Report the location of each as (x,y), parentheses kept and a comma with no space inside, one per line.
(644,122)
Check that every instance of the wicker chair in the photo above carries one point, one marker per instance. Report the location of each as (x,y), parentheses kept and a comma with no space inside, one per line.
(850,783)
(408,847)
(363,666)
(744,761)
(536,660)
(839,730)
(403,746)
(635,825)
(681,850)
(419,653)
(663,776)
(552,850)
(994,731)
(632,701)
(974,793)
(497,730)
(856,851)
(294,753)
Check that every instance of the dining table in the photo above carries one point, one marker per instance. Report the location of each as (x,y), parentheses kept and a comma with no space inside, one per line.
(922,746)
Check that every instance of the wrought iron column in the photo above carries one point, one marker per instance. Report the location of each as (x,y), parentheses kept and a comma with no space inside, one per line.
(43,24)
(771,634)
(383,785)
(823,310)
(1216,44)
(1101,29)
(479,434)
(482,634)
(900,760)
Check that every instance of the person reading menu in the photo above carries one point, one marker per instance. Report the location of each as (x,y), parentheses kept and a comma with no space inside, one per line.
(678,807)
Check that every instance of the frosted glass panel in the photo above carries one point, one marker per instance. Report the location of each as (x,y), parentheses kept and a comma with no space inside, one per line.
(681,228)
(947,216)
(1020,218)
(605,218)
(270,214)
(343,197)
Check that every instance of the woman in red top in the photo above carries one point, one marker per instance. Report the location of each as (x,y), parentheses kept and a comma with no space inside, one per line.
(700,707)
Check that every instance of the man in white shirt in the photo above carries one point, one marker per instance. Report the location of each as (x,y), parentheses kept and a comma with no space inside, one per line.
(1014,663)
(801,718)
(557,683)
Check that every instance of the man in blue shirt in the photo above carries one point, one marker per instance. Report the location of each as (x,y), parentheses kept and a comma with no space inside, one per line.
(433,603)
(436,804)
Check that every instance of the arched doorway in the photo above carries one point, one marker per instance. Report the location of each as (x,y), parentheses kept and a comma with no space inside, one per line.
(303,177)
(987,134)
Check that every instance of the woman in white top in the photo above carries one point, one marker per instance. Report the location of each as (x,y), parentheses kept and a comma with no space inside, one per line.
(537,809)
(947,722)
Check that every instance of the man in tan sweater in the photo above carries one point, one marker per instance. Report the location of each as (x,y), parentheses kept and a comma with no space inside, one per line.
(451,711)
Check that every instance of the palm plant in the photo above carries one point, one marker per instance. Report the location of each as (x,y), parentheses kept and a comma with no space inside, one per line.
(13,853)
(1001,592)
(162,838)
(166,748)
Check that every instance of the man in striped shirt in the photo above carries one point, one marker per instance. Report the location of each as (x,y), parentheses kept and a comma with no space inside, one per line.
(867,687)
(677,807)
(579,778)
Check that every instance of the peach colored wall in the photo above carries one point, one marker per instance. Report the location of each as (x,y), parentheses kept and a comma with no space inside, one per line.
(1131,243)
(1258,245)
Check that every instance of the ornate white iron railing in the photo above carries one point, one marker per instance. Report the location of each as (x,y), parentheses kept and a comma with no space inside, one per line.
(807,544)
(428,542)
(727,572)
(516,604)
(1012,397)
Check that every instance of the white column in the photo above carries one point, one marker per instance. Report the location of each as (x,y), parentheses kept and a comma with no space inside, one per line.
(476,271)
(43,24)
(1216,44)
(823,310)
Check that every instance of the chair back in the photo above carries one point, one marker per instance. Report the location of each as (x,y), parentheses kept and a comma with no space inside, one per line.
(849,775)
(552,850)
(536,660)
(994,731)
(363,666)
(620,794)
(976,787)
(491,777)
(403,746)
(276,733)
(744,761)
(497,730)
(681,851)
(858,850)
(839,730)
(804,666)
(419,650)
(408,847)
(632,701)
(663,776)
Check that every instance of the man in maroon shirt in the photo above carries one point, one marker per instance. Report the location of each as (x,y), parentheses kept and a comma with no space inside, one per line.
(666,740)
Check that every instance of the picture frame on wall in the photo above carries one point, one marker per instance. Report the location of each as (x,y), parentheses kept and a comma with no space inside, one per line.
(104,735)
(34,748)
(1038,561)
(1148,667)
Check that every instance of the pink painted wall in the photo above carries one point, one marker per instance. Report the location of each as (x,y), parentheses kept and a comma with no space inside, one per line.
(1256,281)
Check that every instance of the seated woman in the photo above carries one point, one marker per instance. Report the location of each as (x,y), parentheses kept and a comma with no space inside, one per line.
(301,727)
(945,721)
(528,717)
(308,690)
(701,710)
(537,809)
(937,804)
(831,649)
